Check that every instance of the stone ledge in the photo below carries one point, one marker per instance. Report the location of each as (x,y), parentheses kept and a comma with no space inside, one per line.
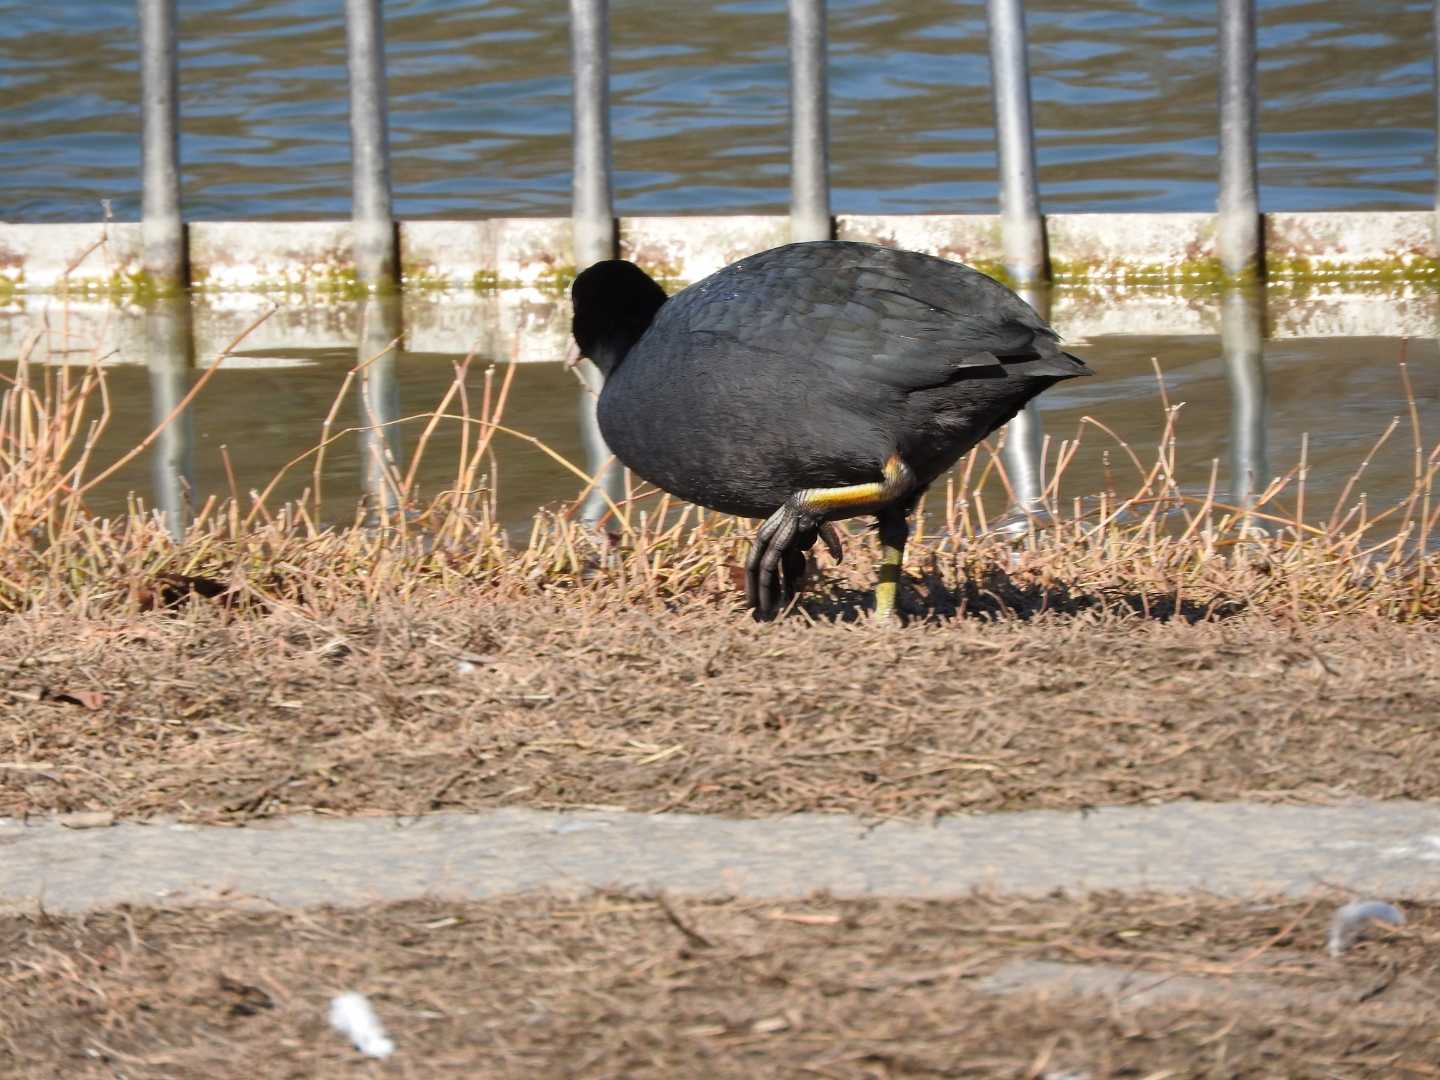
(485,253)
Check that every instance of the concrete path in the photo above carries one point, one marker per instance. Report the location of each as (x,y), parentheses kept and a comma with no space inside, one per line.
(1389,850)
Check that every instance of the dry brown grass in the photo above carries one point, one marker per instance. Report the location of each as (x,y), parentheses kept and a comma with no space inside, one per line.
(1153,647)
(1140,546)
(457,701)
(630,986)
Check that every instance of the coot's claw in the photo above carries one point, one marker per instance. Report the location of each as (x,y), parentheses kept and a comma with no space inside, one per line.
(784,531)
(792,570)
(830,536)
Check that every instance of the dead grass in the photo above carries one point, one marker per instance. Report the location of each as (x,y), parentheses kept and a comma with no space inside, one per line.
(458,700)
(632,986)
(1145,644)
(419,659)
(1141,545)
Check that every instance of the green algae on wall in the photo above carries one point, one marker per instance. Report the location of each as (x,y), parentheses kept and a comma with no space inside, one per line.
(1409,267)
(129,286)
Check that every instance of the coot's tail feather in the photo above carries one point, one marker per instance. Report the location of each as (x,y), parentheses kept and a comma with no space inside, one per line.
(1046,360)
(1058,364)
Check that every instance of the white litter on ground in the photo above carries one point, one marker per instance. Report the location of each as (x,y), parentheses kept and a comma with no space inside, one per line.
(352,1016)
(1352,919)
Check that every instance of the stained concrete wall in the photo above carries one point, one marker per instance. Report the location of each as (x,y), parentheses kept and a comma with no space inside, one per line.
(483,253)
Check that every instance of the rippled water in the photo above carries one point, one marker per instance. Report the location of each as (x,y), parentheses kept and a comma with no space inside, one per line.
(1124,91)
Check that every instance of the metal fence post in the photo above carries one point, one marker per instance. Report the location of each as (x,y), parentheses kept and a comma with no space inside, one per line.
(593,214)
(1022,229)
(593,202)
(809,123)
(1238,234)
(376,263)
(162,230)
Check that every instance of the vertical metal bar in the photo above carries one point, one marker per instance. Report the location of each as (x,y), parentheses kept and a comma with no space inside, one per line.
(593,202)
(593,214)
(381,451)
(1022,230)
(376,265)
(169,356)
(1435,75)
(1238,235)
(809,123)
(162,230)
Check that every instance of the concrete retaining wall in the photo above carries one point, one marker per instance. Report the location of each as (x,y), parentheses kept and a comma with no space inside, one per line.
(484,253)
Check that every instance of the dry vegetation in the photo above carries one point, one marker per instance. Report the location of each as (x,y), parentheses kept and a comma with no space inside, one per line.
(634,986)
(1141,547)
(1137,644)
(1147,647)
(458,704)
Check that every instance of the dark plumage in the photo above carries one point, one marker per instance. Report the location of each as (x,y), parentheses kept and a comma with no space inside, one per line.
(810,383)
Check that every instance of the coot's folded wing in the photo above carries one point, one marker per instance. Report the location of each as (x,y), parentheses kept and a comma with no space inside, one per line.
(899,318)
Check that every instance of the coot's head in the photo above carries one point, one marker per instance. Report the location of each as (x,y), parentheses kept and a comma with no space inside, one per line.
(615,302)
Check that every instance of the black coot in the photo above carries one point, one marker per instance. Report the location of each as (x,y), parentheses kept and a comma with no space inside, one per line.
(809,383)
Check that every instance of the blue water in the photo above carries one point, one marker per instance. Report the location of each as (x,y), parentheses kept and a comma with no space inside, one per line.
(1124,91)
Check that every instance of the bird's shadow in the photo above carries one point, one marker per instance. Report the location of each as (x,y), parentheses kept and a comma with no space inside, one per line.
(994,594)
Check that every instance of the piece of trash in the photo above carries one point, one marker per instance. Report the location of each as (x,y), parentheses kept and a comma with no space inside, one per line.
(465,667)
(1352,919)
(352,1016)
(87,819)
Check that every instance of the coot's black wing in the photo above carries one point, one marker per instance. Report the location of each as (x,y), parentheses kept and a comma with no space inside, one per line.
(906,320)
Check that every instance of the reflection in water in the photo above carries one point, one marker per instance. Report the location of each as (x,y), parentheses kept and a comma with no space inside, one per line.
(169,356)
(1024,439)
(1024,436)
(1242,337)
(381,449)
(610,487)
(1341,391)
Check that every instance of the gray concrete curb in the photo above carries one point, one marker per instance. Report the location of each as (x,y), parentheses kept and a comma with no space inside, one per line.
(1389,850)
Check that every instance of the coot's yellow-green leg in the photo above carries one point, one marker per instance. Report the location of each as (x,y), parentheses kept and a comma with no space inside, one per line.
(803,513)
(894,531)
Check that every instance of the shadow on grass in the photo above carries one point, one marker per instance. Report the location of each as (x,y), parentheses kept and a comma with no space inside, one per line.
(992,594)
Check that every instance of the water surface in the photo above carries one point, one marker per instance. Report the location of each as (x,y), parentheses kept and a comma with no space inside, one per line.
(1125,97)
